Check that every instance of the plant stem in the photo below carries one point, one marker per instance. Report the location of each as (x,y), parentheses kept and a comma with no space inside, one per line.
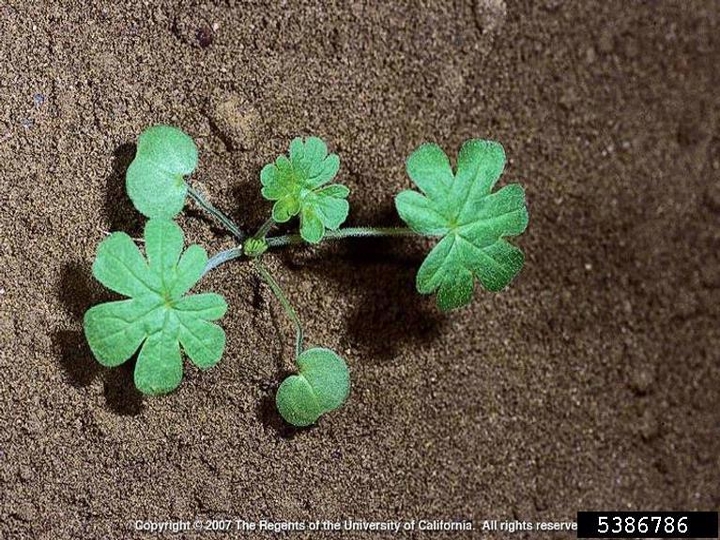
(347,232)
(289,310)
(288,239)
(217,214)
(264,229)
(223,257)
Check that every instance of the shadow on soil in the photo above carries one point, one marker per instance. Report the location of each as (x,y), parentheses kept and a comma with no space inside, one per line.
(78,291)
(381,273)
(119,210)
(251,209)
(269,416)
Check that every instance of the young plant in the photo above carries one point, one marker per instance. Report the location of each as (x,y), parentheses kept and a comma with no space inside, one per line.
(459,208)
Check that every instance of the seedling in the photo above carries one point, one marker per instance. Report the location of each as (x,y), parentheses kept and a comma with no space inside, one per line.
(459,208)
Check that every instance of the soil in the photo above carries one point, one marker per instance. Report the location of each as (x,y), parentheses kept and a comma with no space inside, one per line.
(593,382)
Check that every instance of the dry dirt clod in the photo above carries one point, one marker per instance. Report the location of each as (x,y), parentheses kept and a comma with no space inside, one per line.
(26,473)
(205,36)
(237,122)
(490,15)
(26,512)
(642,379)
(590,55)
(606,41)
(648,425)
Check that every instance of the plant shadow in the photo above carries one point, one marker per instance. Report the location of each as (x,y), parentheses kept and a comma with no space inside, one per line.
(119,211)
(269,416)
(78,291)
(381,272)
(255,209)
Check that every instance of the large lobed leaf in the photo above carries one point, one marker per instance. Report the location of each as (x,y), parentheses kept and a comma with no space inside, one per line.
(299,186)
(471,220)
(158,315)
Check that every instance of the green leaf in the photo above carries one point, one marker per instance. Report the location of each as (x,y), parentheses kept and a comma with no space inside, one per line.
(298,185)
(154,180)
(322,385)
(157,316)
(471,220)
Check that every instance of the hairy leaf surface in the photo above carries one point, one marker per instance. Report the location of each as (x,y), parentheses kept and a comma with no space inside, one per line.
(299,185)
(470,219)
(155,179)
(322,385)
(158,316)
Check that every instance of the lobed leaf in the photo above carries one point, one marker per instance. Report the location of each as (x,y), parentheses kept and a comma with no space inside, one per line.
(157,318)
(470,219)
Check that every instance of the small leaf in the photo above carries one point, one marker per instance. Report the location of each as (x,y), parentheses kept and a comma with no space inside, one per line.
(157,318)
(254,247)
(471,220)
(154,180)
(322,385)
(297,403)
(298,186)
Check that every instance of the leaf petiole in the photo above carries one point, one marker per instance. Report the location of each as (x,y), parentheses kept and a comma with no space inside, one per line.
(223,257)
(290,239)
(217,214)
(289,310)
(264,229)
(346,232)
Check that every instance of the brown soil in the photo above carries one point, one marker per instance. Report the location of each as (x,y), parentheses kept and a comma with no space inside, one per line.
(592,383)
